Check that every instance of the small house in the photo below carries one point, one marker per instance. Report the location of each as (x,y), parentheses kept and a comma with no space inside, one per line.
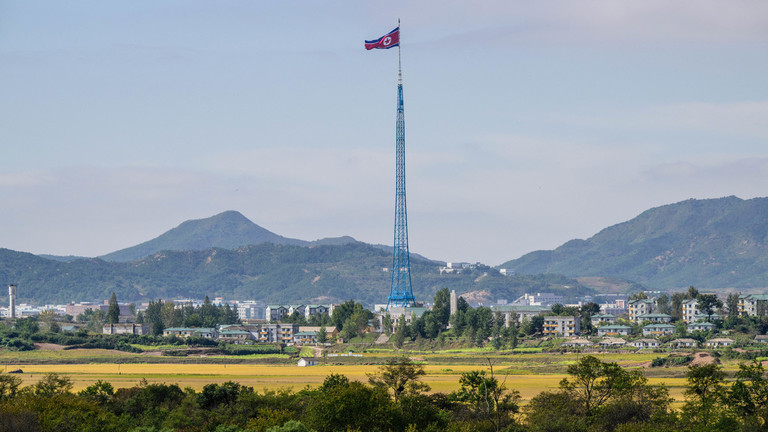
(307,362)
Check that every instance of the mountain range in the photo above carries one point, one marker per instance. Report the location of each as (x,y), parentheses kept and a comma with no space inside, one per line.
(711,244)
(227,230)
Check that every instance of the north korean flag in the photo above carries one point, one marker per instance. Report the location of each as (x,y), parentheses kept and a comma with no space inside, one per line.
(389,40)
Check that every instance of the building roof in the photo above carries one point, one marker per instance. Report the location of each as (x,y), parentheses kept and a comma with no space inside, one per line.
(519,308)
(613,341)
(615,327)
(659,326)
(700,324)
(192,329)
(720,340)
(603,316)
(646,341)
(655,315)
(577,342)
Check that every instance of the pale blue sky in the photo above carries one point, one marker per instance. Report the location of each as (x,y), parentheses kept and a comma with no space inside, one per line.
(527,123)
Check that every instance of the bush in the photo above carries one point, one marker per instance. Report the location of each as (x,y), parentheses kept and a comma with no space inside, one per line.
(231,349)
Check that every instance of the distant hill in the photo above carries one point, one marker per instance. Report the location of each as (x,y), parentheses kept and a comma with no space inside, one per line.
(713,243)
(227,230)
(268,271)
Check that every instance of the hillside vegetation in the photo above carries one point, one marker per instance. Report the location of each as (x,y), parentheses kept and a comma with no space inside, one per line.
(714,243)
(270,272)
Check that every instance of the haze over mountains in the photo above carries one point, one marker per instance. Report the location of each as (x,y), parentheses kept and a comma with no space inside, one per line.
(712,244)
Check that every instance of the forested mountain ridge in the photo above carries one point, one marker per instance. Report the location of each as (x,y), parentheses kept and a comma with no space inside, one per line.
(712,243)
(269,272)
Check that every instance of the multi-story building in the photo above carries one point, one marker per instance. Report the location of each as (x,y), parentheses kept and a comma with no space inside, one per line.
(276,312)
(515,314)
(690,310)
(640,307)
(539,299)
(568,326)
(614,330)
(683,343)
(75,309)
(645,343)
(410,314)
(701,326)
(753,304)
(209,333)
(655,318)
(317,309)
(279,312)
(251,310)
(277,333)
(718,343)
(126,328)
(601,319)
(658,329)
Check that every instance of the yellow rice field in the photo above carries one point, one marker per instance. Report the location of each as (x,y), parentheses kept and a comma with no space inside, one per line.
(442,378)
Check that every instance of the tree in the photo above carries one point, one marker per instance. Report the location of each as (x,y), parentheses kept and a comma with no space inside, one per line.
(593,382)
(154,317)
(387,323)
(488,398)
(441,310)
(113,313)
(52,384)
(9,386)
(48,318)
(341,313)
(637,296)
(100,392)
(705,385)
(748,396)
(662,303)
(402,376)
(532,326)
(343,405)
(401,332)
(707,304)
(357,321)
(676,306)
(732,304)
(589,309)
(322,335)
(290,426)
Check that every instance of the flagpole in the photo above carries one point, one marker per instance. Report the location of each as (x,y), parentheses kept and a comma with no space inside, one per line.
(399,67)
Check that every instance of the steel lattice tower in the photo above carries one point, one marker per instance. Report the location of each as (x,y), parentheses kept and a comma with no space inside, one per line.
(400,292)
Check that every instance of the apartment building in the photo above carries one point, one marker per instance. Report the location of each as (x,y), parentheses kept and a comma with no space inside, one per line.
(567,326)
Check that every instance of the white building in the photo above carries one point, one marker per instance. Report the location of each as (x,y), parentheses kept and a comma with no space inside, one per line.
(539,299)
(568,326)
(640,307)
(251,310)
(690,310)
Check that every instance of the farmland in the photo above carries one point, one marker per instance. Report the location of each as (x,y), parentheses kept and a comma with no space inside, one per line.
(528,373)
